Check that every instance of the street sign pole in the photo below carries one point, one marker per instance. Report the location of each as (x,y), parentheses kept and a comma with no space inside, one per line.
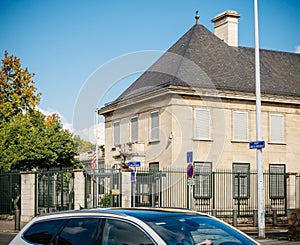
(191,196)
(260,177)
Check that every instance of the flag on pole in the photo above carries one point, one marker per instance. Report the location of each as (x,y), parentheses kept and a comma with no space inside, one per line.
(94,158)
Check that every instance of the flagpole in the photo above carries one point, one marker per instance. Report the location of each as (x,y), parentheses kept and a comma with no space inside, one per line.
(97,157)
(260,177)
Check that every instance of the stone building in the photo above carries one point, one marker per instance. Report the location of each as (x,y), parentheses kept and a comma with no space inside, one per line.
(199,97)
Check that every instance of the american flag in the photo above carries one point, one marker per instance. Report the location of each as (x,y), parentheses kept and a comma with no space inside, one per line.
(94,158)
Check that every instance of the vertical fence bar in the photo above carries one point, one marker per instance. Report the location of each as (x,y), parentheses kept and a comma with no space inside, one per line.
(62,190)
(285,193)
(213,193)
(238,197)
(10,189)
(36,201)
(48,193)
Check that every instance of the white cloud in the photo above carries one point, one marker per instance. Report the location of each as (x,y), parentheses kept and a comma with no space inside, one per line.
(88,134)
(298,49)
(92,133)
(66,125)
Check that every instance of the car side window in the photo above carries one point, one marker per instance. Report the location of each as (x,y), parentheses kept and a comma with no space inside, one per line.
(117,232)
(79,231)
(43,232)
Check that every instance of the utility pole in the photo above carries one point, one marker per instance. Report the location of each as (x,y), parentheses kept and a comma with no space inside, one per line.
(259,165)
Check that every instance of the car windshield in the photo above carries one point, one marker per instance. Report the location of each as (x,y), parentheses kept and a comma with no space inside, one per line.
(191,229)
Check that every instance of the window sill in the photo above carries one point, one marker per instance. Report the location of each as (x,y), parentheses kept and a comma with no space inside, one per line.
(154,142)
(240,141)
(276,143)
(208,140)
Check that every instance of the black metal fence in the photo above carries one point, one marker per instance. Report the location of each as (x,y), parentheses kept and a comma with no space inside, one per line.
(218,192)
(10,191)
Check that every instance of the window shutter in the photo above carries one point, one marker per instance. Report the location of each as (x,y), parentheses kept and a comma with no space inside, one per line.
(277,128)
(240,124)
(134,129)
(117,133)
(154,126)
(201,124)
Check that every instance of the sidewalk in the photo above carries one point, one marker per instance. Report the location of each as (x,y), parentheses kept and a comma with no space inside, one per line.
(274,235)
(8,226)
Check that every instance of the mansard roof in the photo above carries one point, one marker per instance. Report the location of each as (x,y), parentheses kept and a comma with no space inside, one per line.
(200,60)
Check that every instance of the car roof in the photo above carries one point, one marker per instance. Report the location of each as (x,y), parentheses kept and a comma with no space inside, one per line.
(140,213)
(152,213)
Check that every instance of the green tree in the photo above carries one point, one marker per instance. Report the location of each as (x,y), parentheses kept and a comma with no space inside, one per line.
(82,145)
(30,142)
(29,139)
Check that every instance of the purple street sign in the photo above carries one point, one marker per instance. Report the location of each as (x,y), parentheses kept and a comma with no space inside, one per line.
(190,170)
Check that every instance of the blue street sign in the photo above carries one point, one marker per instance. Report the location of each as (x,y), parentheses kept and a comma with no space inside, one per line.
(189,157)
(257,144)
(134,164)
(132,176)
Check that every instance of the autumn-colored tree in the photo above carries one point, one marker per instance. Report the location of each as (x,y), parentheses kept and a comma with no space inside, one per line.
(29,139)
(17,90)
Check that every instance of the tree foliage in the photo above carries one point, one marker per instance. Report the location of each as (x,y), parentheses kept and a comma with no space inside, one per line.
(17,90)
(29,139)
(82,145)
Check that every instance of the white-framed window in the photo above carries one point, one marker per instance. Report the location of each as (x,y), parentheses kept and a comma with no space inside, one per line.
(276,128)
(241,180)
(202,124)
(154,133)
(117,133)
(240,126)
(134,136)
(277,181)
(202,176)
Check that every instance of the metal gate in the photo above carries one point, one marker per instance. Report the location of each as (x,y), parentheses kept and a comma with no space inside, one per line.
(146,189)
(103,188)
(54,190)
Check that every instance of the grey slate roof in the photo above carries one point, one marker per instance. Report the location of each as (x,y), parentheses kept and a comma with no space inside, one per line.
(199,59)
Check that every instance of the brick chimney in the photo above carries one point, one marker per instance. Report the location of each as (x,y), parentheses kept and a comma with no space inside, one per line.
(226,27)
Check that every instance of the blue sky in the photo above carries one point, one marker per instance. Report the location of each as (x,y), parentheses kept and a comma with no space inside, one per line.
(65,41)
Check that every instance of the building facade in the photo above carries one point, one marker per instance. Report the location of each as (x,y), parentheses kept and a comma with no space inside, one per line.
(197,104)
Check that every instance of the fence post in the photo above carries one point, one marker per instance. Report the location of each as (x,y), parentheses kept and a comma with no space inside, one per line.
(274,217)
(17,219)
(127,184)
(255,221)
(234,217)
(79,189)
(28,185)
(214,213)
